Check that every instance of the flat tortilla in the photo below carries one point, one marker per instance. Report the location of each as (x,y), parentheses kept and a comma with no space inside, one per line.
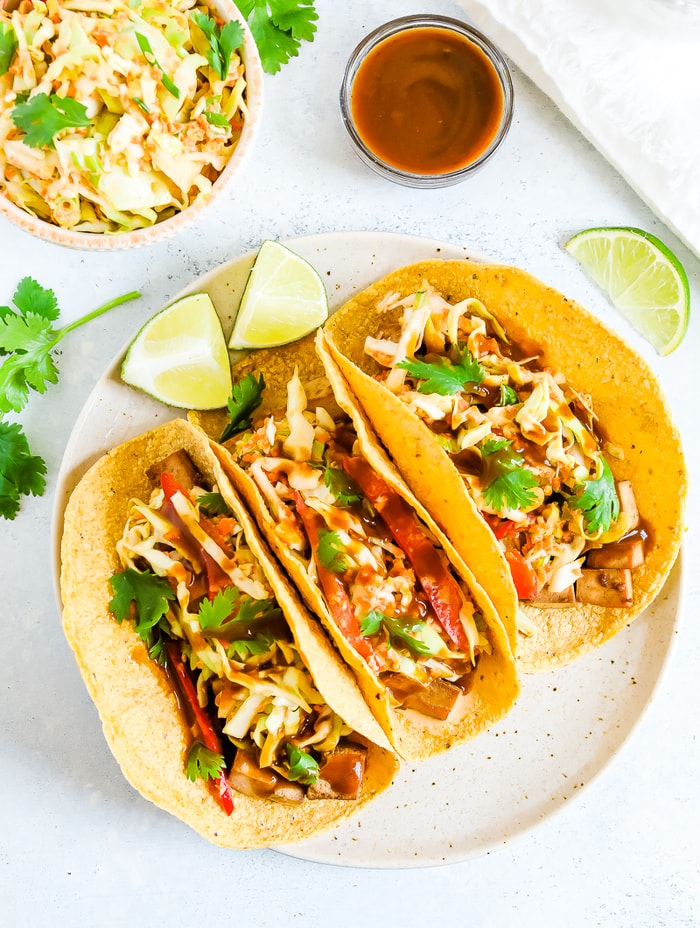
(137,706)
(496,686)
(626,397)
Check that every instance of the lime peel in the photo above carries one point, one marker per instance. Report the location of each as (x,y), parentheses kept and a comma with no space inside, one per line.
(180,357)
(284,299)
(642,278)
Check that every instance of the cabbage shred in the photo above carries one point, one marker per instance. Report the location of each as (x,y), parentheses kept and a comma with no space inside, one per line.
(165,109)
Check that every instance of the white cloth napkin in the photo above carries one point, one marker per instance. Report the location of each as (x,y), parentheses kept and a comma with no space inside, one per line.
(627,74)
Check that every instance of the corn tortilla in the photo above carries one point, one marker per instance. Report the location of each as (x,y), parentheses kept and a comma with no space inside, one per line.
(625,395)
(138,709)
(496,684)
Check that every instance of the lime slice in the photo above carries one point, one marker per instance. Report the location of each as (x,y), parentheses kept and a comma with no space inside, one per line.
(283,300)
(642,278)
(180,356)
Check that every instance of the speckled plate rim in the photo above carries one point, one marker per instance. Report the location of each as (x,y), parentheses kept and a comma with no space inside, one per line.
(568,724)
(162,231)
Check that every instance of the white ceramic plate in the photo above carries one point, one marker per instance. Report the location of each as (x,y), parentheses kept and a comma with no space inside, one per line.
(567,725)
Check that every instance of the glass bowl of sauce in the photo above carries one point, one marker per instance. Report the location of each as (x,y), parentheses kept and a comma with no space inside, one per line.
(426,100)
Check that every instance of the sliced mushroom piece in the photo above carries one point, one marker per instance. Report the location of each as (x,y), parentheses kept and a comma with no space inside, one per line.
(248,778)
(436,701)
(625,554)
(341,773)
(179,465)
(565,597)
(605,587)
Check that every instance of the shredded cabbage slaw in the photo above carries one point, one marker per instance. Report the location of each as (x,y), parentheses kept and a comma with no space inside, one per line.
(163,124)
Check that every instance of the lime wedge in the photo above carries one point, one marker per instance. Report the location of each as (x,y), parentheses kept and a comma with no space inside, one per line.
(642,278)
(283,300)
(180,356)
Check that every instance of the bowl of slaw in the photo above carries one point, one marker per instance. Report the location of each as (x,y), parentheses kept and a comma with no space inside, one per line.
(122,120)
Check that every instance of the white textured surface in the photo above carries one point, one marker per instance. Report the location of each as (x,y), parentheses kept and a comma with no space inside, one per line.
(627,73)
(79,848)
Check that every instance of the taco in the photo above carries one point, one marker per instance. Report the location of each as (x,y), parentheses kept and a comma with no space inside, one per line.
(219,698)
(427,647)
(539,441)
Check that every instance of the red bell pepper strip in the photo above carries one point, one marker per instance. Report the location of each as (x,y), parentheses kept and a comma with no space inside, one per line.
(221,787)
(217,578)
(429,565)
(524,577)
(334,589)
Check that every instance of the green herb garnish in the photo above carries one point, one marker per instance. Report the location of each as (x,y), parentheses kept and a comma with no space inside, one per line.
(212,504)
(342,486)
(598,500)
(279,27)
(331,552)
(8,47)
(151,596)
(223,41)
(507,396)
(302,766)
(245,398)
(27,339)
(407,630)
(444,377)
(507,483)
(43,115)
(151,60)
(203,763)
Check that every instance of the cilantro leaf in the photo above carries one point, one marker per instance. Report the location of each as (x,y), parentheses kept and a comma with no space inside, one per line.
(31,297)
(222,42)
(598,500)
(203,763)
(507,483)
(43,115)
(31,339)
(407,630)
(149,593)
(26,342)
(245,398)
(21,472)
(8,47)
(443,377)
(330,551)
(303,768)
(342,486)
(231,608)
(243,648)
(212,504)
(214,612)
(507,396)
(279,27)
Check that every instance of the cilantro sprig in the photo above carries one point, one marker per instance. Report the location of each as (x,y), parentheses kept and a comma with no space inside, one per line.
(27,340)
(444,377)
(342,486)
(203,763)
(245,398)
(8,47)
(331,551)
(223,41)
(408,631)
(303,768)
(507,483)
(598,500)
(279,27)
(21,472)
(43,115)
(151,596)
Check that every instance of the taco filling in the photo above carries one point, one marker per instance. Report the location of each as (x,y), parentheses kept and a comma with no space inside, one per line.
(526,444)
(391,593)
(206,611)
